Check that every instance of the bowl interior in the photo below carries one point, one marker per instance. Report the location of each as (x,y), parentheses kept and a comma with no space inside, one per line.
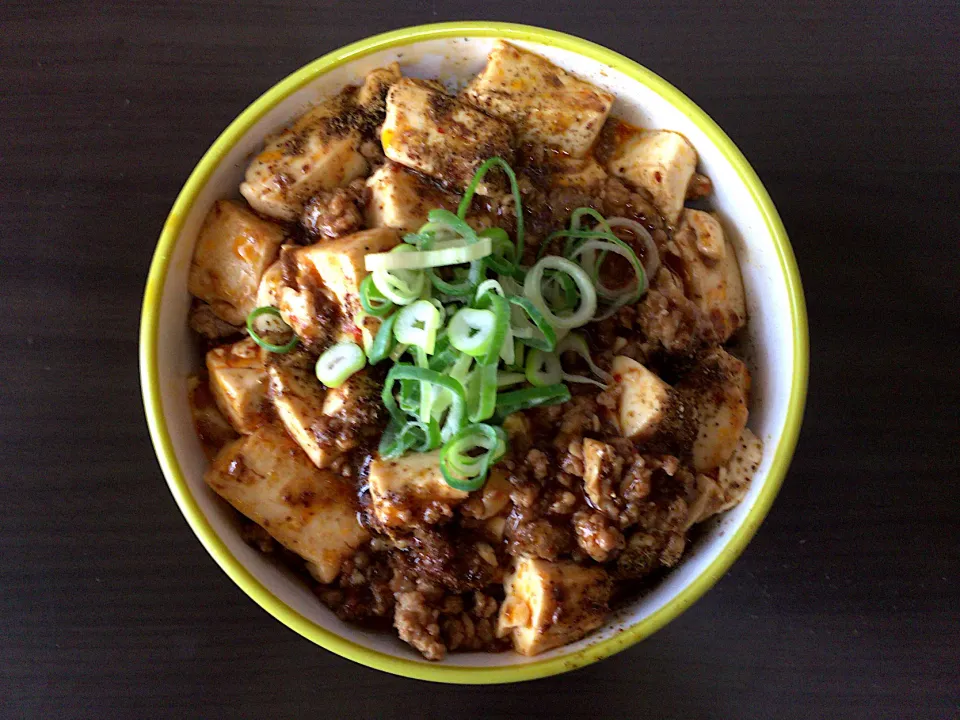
(771,349)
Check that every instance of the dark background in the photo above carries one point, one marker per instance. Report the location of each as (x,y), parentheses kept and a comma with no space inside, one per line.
(847,603)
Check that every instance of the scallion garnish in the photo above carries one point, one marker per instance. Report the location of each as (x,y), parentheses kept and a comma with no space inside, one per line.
(266,345)
(339,362)
(462,320)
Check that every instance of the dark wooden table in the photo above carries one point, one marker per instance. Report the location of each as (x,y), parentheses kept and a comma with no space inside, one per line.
(847,603)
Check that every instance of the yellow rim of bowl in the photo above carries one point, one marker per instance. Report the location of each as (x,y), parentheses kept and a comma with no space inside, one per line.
(153,402)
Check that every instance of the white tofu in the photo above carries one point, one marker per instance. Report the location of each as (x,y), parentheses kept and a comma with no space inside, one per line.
(734,477)
(310,512)
(339,264)
(234,248)
(660,162)
(320,151)
(546,104)
(403,489)
(238,381)
(711,272)
(549,604)
(599,473)
(268,292)
(715,495)
(644,398)
(440,135)
(372,95)
(298,398)
(584,173)
(719,389)
(401,199)
(326,423)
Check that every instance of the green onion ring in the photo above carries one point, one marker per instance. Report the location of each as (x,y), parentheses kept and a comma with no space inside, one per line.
(588,295)
(273,312)
(373,301)
(338,362)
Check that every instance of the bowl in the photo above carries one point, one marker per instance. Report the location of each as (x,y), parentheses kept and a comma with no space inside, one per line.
(776,347)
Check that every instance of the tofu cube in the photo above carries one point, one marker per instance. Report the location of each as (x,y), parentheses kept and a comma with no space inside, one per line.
(601,471)
(546,104)
(711,272)
(549,604)
(402,489)
(660,162)
(234,248)
(585,173)
(644,398)
(715,495)
(298,398)
(401,199)
(339,263)
(238,381)
(320,151)
(734,477)
(440,135)
(310,512)
(718,388)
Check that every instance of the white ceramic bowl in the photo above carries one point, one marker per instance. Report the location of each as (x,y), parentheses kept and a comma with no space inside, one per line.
(776,347)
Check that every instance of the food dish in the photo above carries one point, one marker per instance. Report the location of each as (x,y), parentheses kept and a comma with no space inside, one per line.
(482,426)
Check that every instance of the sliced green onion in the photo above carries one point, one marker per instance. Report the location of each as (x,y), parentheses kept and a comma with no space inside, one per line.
(462,252)
(382,341)
(400,286)
(271,312)
(517,400)
(588,295)
(417,324)
(576,343)
(464,284)
(581,211)
(339,362)
(543,368)
(489,286)
(472,331)
(502,259)
(374,302)
(619,247)
(481,392)
(412,435)
(398,350)
(461,466)
(455,413)
(501,311)
(527,321)
(514,188)
(505,379)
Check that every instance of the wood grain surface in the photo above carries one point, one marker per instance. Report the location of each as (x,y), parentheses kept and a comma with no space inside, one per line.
(847,603)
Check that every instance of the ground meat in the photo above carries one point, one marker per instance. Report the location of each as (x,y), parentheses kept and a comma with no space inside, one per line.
(661,520)
(597,536)
(334,213)
(669,319)
(530,535)
(475,629)
(362,591)
(206,323)
(439,558)
(616,200)
(700,186)
(418,624)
